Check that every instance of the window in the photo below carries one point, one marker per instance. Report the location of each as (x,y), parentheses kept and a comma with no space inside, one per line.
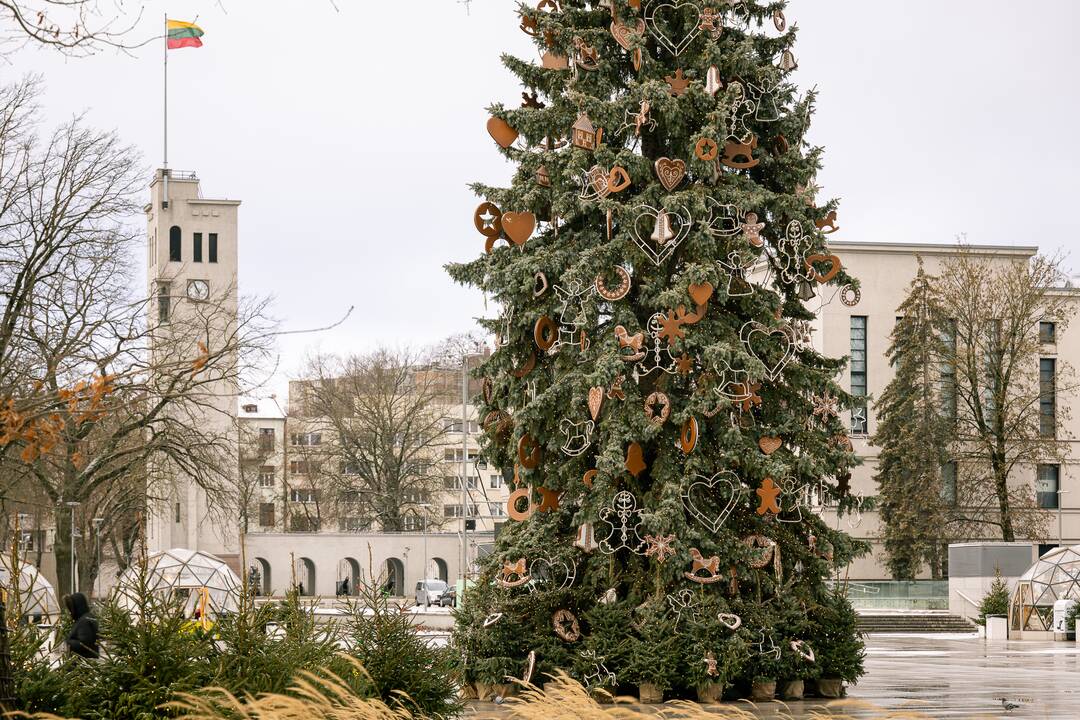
(455,455)
(196,247)
(303,523)
(175,243)
(301,467)
(176,513)
(1047,333)
(266,514)
(948,483)
(859,424)
(266,476)
(948,372)
(1047,397)
(454,511)
(496,482)
(306,439)
(303,495)
(416,496)
(266,438)
(250,408)
(164,290)
(497,509)
(213,247)
(349,496)
(454,426)
(1046,486)
(356,524)
(453,482)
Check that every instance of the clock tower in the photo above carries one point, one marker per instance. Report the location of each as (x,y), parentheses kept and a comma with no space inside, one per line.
(192,277)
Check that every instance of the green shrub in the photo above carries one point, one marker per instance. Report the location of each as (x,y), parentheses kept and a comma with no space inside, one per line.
(837,642)
(996,599)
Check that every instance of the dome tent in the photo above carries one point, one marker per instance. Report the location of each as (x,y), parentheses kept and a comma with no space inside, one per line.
(1054,576)
(37,594)
(180,572)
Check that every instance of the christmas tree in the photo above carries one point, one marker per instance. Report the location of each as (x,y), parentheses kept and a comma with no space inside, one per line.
(654,389)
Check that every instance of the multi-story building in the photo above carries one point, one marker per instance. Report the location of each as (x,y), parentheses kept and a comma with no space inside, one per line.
(860,324)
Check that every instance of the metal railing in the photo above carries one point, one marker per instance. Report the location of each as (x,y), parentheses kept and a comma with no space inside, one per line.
(898,594)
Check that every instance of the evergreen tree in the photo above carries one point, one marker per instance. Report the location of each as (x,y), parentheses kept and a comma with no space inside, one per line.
(915,427)
(654,387)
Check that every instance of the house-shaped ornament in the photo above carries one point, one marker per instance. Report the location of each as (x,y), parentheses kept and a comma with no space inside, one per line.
(584,135)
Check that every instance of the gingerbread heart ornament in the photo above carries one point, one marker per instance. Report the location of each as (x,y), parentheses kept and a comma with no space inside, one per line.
(501,132)
(671,172)
(518,227)
(624,34)
(834,266)
(769,444)
(596,400)
(700,293)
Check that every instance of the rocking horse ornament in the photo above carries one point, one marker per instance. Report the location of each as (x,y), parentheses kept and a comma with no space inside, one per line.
(700,564)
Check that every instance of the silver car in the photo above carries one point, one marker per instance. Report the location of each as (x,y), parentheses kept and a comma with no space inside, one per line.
(428,592)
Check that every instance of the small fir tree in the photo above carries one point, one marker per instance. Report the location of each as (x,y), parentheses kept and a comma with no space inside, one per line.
(654,387)
(916,415)
(996,599)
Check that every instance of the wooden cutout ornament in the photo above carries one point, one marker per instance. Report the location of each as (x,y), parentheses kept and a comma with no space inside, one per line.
(834,266)
(701,564)
(531,100)
(700,293)
(589,477)
(829,221)
(713,82)
(740,156)
(634,343)
(584,135)
(619,291)
(526,367)
(488,221)
(512,507)
(635,460)
(768,492)
(566,625)
(688,436)
(671,172)
(657,408)
(595,401)
(706,150)
(660,547)
(501,132)
(678,84)
(513,575)
(540,284)
(615,392)
(553,61)
(543,179)
(518,227)
(769,444)
(545,332)
(779,21)
(528,452)
(549,500)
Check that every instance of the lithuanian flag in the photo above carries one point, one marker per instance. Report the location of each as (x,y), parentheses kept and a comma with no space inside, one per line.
(182,34)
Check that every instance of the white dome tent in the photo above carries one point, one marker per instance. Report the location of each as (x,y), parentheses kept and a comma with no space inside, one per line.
(1054,576)
(36,593)
(184,573)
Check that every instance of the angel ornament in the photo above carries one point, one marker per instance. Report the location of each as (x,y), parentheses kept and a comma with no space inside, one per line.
(573,316)
(738,260)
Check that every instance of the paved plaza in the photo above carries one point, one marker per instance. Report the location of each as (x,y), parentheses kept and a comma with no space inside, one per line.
(940,676)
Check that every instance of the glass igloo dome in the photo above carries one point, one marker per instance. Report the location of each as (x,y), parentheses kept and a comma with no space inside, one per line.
(185,574)
(1054,576)
(36,593)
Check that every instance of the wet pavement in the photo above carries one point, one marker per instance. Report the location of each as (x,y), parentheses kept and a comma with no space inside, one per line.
(941,676)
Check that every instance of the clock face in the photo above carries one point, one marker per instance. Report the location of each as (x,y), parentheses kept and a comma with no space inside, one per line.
(198,289)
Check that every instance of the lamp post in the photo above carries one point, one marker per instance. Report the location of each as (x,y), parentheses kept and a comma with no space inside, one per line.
(424,573)
(464,358)
(72,504)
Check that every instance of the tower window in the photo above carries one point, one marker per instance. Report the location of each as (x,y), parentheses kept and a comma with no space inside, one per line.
(174,243)
(176,512)
(213,247)
(163,290)
(858,374)
(196,248)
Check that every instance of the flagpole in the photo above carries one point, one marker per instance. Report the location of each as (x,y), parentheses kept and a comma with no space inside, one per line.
(165,113)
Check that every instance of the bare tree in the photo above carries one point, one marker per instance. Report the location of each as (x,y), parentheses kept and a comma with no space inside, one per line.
(100,404)
(381,426)
(72,27)
(1007,422)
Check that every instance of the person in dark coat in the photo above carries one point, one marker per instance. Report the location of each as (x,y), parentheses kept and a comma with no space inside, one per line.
(82,640)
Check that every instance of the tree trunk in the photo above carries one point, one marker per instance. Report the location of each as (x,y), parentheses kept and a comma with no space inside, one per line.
(62,551)
(1001,487)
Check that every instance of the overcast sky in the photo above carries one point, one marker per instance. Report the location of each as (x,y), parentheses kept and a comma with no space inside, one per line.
(350,136)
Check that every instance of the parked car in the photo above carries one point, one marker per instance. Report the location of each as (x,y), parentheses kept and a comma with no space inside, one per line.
(448,598)
(429,591)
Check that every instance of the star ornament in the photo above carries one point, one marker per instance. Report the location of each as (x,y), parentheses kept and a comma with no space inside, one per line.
(660,546)
(826,406)
(678,83)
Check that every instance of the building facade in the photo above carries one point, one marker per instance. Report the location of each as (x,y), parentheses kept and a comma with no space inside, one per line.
(860,324)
